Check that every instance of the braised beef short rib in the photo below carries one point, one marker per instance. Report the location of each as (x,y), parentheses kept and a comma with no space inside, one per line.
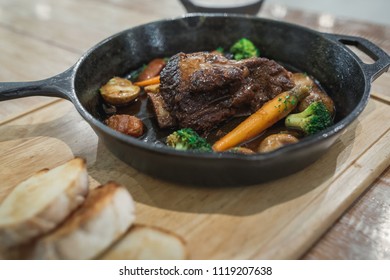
(201,90)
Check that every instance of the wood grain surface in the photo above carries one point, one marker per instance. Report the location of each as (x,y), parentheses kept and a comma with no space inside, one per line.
(292,212)
(288,218)
(363,232)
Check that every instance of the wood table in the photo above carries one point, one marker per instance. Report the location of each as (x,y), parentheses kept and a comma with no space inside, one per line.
(41,38)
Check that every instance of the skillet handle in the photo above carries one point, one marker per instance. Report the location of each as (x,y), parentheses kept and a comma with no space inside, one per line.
(56,86)
(381,58)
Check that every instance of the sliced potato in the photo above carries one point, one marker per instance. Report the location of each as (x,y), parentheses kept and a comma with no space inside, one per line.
(119,91)
(147,243)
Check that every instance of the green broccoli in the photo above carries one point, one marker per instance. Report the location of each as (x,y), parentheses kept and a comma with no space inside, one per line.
(220,50)
(187,139)
(244,48)
(135,73)
(312,120)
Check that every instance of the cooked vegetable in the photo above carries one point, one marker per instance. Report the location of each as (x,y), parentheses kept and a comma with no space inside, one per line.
(187,139)
(119,91)
(219,50)
(153,69)
(315,95)
(152,88)
(312,120)
(126,124)
(302,79)
(133,75)
(271,112)
(241,150)
(244,48)
(151,81)
(276,141)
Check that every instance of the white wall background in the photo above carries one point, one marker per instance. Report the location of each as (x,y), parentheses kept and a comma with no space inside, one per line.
(376,11)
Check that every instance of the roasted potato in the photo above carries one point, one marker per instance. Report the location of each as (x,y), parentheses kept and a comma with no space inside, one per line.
(126,124)
(316,94)
(276,141)
(119,91)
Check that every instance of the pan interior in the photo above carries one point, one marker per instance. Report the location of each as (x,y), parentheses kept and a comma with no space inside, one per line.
(295,47)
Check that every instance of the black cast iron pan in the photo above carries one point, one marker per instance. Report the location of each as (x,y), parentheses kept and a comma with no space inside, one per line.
(325,56)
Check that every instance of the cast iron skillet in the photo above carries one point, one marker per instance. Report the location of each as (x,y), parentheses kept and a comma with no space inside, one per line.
(325,56)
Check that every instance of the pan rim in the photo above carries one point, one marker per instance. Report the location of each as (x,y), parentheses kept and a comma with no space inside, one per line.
(307,141)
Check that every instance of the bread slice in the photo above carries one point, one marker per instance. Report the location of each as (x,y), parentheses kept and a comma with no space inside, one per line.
(40,203)
(106,214)
(148,243)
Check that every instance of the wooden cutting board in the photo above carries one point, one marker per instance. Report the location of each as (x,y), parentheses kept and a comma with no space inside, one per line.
(277,220)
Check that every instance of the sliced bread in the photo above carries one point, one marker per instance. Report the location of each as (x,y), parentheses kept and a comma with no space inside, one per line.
(40,203)
(106,214)
(148,243)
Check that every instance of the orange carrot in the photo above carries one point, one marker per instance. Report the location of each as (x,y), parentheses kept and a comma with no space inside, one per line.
(151,81)
(153,69)
(271,112)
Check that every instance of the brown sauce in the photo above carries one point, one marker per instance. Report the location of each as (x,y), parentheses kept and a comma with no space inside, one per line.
(141,108)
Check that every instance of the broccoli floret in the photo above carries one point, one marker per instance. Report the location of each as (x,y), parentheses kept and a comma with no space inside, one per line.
(133,76)
(244,48)
(312,120)
(220,50)
(187,139)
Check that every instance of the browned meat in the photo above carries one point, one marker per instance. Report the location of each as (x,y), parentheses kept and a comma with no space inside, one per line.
(201,90)
(126,124)
(164,118)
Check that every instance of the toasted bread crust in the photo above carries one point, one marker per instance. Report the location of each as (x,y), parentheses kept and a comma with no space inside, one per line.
(20,224)
(143,242)
(95,201)
(106,214)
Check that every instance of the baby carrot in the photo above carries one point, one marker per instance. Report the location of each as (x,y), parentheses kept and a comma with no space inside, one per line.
(271,112)
(151,81)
